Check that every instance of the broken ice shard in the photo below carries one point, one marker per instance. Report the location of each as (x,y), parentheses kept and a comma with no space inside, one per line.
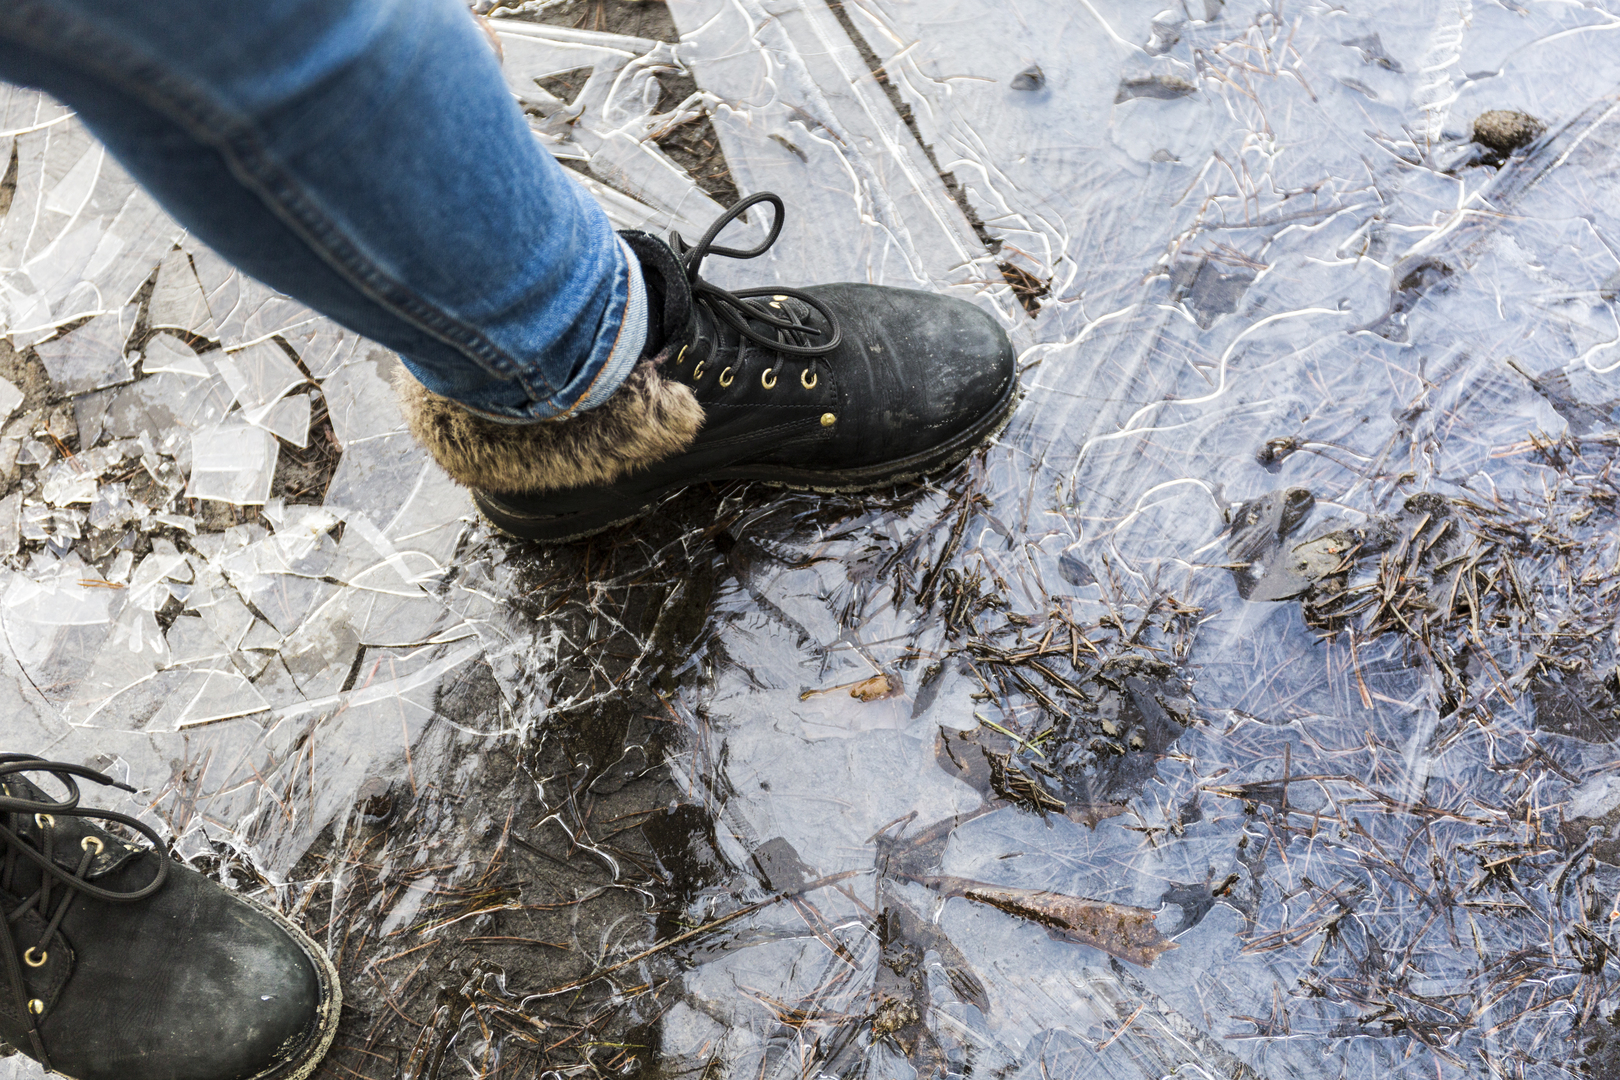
(165,352)
(232,462)
(259,375)
(177,300)
(90,357)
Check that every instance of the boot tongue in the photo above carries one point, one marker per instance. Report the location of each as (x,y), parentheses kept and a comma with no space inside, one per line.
(669,295)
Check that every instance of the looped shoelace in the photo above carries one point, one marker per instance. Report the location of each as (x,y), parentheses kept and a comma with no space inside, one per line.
(736,308)
(66,884)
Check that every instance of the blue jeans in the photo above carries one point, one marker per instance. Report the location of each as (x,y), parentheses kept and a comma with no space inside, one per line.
(365,157)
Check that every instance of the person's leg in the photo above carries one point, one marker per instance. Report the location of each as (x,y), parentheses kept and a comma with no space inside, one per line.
(365,157)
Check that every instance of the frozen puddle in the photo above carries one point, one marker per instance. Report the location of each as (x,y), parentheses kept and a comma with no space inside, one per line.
(1248,710)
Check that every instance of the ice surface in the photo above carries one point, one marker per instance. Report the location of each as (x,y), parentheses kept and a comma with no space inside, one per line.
(1352,750)
(165,352)
(177,300)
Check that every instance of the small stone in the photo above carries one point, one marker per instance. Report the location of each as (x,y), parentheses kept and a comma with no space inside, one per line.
(1031,78)
(374,800)
(1074,569)
(1504,130)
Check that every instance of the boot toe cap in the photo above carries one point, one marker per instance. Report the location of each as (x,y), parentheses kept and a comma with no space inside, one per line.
(202,985)
(935,366)
(973,363)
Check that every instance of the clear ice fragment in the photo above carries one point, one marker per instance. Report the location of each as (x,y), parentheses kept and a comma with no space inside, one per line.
(34,452)
(288,419)
(218,694)
(10,398)
(232,462)
(118,570)
(323,346)
(147,589)
(259,375)
(41,522)
(359,400)
(165,352)
(69,194)
(184,522)
(10,523)
(110,507)
(177,300)
(67,483)
(91,357)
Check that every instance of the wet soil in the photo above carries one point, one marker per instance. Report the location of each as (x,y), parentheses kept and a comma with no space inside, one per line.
(574,849)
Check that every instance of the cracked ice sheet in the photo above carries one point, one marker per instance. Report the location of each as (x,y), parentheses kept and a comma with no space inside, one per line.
(1223,203)
(312,640)
(800,114)
(80,236)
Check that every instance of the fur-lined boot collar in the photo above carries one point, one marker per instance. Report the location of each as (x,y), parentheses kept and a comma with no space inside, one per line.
(649,418)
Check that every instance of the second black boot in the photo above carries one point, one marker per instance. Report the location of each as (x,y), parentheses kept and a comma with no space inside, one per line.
(830,388)
(117,963)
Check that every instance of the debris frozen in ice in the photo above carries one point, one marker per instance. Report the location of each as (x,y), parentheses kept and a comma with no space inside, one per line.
(1031,78)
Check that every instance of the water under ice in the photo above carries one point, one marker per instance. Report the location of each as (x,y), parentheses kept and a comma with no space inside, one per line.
(1282,613)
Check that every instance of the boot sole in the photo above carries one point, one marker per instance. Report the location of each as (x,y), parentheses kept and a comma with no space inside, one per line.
(331,1008)
(563,529)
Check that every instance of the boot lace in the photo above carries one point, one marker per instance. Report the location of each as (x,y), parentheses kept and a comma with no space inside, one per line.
(57,887)
(793,335)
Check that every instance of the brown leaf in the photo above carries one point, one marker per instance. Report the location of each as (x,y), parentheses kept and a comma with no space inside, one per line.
(877,688)
(1117,929)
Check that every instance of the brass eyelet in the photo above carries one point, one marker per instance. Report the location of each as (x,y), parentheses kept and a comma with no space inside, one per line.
(37,1007)
(44,821)
(697,372)
(94,843)
(767,378)
(808,379)
(828,419)
(682,355)
(727,378)
(28,958)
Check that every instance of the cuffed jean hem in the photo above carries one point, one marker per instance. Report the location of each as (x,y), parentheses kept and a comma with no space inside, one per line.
(622,340)
(632,336)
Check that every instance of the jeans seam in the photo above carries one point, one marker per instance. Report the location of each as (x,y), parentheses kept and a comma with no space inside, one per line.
(250,162)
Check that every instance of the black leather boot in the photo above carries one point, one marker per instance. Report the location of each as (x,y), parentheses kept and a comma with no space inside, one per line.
(829,388)
(123,965)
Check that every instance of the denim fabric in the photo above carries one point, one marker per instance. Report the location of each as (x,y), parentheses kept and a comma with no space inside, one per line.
(365,157)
